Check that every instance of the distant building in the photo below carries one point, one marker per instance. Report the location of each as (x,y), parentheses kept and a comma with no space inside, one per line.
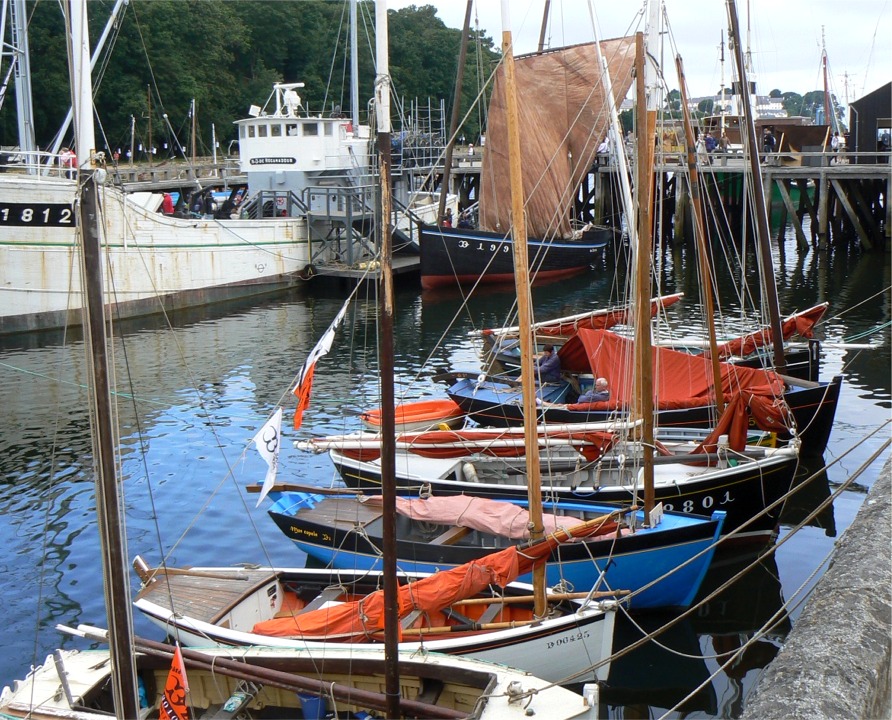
(871,124)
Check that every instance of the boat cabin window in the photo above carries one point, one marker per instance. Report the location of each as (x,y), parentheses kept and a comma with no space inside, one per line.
(250,131)
(241,131)
(261,130)
(329,129)
(275,130)
(311,129)
(291,129)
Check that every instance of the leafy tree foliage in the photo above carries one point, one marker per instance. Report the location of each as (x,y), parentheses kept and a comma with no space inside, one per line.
(226,56)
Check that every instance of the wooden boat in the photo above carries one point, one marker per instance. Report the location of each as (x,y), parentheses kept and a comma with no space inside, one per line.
(563,114)
(315,609)
(746,350)
(287,684)
(661,565)
(682,392)
(418,415)
(470,256)
(683,482)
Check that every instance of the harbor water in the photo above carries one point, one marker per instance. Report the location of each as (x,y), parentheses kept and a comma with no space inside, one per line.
(190,396)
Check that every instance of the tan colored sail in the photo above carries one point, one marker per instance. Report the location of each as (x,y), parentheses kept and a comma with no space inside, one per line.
(562,121)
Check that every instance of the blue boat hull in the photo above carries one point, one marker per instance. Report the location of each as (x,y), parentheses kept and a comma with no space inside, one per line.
(680,549)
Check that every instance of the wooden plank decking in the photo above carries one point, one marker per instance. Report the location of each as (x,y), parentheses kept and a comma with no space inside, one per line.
(204,596)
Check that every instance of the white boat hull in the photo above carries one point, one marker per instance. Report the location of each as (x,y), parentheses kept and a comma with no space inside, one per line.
(555,649)
(154,261)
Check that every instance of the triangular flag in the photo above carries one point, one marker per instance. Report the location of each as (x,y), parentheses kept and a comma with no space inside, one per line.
(173,702)
(268,440)
(305,378)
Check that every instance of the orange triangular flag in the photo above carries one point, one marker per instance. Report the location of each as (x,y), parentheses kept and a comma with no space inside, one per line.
(173,702)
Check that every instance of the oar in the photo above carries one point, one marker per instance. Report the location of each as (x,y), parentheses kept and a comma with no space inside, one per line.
(294,487)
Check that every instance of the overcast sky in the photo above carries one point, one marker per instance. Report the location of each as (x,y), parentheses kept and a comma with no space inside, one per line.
(784,37)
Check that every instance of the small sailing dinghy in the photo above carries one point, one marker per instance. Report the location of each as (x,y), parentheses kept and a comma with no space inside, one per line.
(289,684)
(475,610)
(418,415)
(661,564)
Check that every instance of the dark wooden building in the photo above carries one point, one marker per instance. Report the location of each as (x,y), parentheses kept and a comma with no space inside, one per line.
(870,126)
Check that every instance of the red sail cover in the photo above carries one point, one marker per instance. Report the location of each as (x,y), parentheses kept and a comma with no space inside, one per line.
(797,324)
(362,620)
(681,380)
(596,320)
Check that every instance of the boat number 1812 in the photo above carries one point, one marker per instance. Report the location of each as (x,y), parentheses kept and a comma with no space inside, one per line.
(27,214)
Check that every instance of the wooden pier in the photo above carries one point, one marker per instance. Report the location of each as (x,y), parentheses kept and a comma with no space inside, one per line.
(844,202)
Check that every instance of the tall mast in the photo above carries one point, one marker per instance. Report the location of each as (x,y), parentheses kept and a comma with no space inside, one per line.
(108,504)
(354,68)
(722,63)
(385,362)
(456,109)
(828,114)
(21,60)
(706,288)
(766,266)
(524,312)
(646,120)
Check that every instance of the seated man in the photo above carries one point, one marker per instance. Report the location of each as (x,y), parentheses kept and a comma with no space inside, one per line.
(548,366)
(599,392)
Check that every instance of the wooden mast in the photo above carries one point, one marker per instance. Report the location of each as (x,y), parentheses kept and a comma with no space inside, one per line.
(643,396)
(706,288)
(116,583)
(456,108)
(385,362)
(524,313)
(766,266)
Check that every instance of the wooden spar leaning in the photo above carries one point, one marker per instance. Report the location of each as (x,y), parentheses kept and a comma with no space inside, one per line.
(766,267)
(108,505)
(706,287)
(385,364)
(522,284)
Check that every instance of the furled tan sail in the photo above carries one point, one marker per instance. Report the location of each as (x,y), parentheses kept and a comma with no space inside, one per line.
(563,119)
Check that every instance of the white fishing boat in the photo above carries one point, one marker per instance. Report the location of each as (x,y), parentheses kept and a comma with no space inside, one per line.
(309,177)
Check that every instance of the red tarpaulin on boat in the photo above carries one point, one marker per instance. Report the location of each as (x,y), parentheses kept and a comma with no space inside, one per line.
(444,444)
(595,320)
(797,324)
(681,380)
(361,620)
(768,413)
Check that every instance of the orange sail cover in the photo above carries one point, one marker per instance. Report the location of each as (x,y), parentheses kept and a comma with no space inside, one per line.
(363,620)
(681,380)
(797,324)
(563,117)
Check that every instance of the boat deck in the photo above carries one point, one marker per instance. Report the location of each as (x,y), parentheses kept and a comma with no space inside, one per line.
(201,594)
(341,513)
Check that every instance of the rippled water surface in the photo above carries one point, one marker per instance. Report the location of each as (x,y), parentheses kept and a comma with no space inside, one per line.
(190,398)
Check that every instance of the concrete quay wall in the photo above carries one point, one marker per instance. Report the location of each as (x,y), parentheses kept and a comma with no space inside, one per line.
(835,664)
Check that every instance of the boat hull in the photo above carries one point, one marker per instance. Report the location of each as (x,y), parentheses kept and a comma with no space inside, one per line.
(557,647)
(631,562)
(742,492)
(813,406)
(355,681)
(153,263)
(451,256)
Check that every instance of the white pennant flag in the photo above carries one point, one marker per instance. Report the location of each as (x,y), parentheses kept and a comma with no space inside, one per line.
(268,439)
